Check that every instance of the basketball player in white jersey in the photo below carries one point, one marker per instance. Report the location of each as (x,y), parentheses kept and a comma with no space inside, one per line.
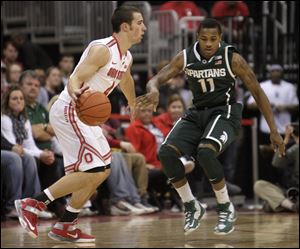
(104,64)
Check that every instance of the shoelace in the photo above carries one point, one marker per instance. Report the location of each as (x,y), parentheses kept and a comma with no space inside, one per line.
(223,216)
(189,216)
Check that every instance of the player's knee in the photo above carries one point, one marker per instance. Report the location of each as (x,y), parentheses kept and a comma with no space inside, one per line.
(208,161)
(172,166)
(205,155)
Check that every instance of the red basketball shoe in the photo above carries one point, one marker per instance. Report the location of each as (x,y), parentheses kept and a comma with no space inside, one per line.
(66,231)
(28,210)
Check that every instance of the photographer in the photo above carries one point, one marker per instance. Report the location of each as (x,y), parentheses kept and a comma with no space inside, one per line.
(273,195)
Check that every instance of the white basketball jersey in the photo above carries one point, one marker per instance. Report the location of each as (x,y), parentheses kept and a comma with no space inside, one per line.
(108,76)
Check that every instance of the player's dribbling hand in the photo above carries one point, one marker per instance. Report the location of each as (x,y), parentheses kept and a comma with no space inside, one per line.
(277,143)
(148,99)
(75,93)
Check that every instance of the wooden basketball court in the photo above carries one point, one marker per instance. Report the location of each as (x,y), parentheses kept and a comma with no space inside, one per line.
(165,229)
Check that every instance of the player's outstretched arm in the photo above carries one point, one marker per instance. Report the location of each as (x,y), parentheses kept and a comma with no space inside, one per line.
(97,57)
(128,89)
(245,73)
(166,73)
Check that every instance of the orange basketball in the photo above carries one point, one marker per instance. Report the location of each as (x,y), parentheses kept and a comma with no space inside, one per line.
(93,108)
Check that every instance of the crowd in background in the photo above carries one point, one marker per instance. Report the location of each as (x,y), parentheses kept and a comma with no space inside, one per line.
(31,158)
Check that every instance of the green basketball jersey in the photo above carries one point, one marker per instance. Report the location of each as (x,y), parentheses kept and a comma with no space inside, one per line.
(211,81)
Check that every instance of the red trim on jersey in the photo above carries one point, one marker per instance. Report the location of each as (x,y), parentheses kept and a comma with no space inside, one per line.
(106,92)
(110,42)
(83,145)
(118,47)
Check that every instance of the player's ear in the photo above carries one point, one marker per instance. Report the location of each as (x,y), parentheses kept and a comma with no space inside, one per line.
(125,27)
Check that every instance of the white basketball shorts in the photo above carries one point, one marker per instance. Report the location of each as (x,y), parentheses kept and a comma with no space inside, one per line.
(84,147)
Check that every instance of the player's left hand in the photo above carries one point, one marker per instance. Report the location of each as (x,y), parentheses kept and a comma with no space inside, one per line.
(277,143)
(148,99)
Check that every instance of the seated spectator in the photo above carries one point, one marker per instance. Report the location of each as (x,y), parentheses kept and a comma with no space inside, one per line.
(4,83)
(10,53)
(176,85)
(166,120)
(135,161)
(223,9)
(13,73)
(66,66)
(43,97)
(183,8)
(147,139)
(16,128)
(274,196)
(19,176)
(31,55)
(124,196)
(53,82)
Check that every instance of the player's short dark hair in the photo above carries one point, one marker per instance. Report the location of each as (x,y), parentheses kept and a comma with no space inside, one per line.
(123,14)
(210,23)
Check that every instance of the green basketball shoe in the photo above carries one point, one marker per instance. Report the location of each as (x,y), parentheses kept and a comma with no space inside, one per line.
(227,217)
(193,212)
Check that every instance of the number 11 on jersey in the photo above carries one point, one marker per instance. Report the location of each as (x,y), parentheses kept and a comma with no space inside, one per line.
(203,84)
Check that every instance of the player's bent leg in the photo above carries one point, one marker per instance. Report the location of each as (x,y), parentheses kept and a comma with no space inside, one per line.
(172,166)
(66,230)
(207,158)
(169,156)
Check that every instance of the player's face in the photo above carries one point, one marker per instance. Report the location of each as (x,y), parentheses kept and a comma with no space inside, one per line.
(16,102)
(209,39)
(175,110)
(137,28)
(145,114)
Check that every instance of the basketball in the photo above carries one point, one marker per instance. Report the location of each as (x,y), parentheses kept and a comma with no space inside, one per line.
(93,108)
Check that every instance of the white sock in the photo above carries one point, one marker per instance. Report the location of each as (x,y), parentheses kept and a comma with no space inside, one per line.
(185,193)
(222,195)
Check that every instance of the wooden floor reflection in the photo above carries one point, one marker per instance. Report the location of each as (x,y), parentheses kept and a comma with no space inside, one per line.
(165,230)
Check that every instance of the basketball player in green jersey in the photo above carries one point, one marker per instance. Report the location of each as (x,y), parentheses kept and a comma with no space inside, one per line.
(207,128)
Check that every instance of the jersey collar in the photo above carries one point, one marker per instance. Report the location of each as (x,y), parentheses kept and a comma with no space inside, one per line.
(118,46)
(198,56)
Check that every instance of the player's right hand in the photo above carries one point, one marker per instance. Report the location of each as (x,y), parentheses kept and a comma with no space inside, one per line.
(75,93)
(147,99)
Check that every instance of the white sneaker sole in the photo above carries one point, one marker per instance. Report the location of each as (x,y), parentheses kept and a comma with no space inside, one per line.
(223,233)
(56,237)
(23,223)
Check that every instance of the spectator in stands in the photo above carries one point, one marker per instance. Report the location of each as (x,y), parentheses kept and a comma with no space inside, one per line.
(124,196)
(4,83)
(31,55)
(229,8)
(183,8)
(13,73)
(147,139)
(19,175)
(274,196)
(66,66)
(53,82)
(10,53)
(176,85)
(16,128)
(135,161)
(223,9)
(283,98)
(43,95)
(43,134)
